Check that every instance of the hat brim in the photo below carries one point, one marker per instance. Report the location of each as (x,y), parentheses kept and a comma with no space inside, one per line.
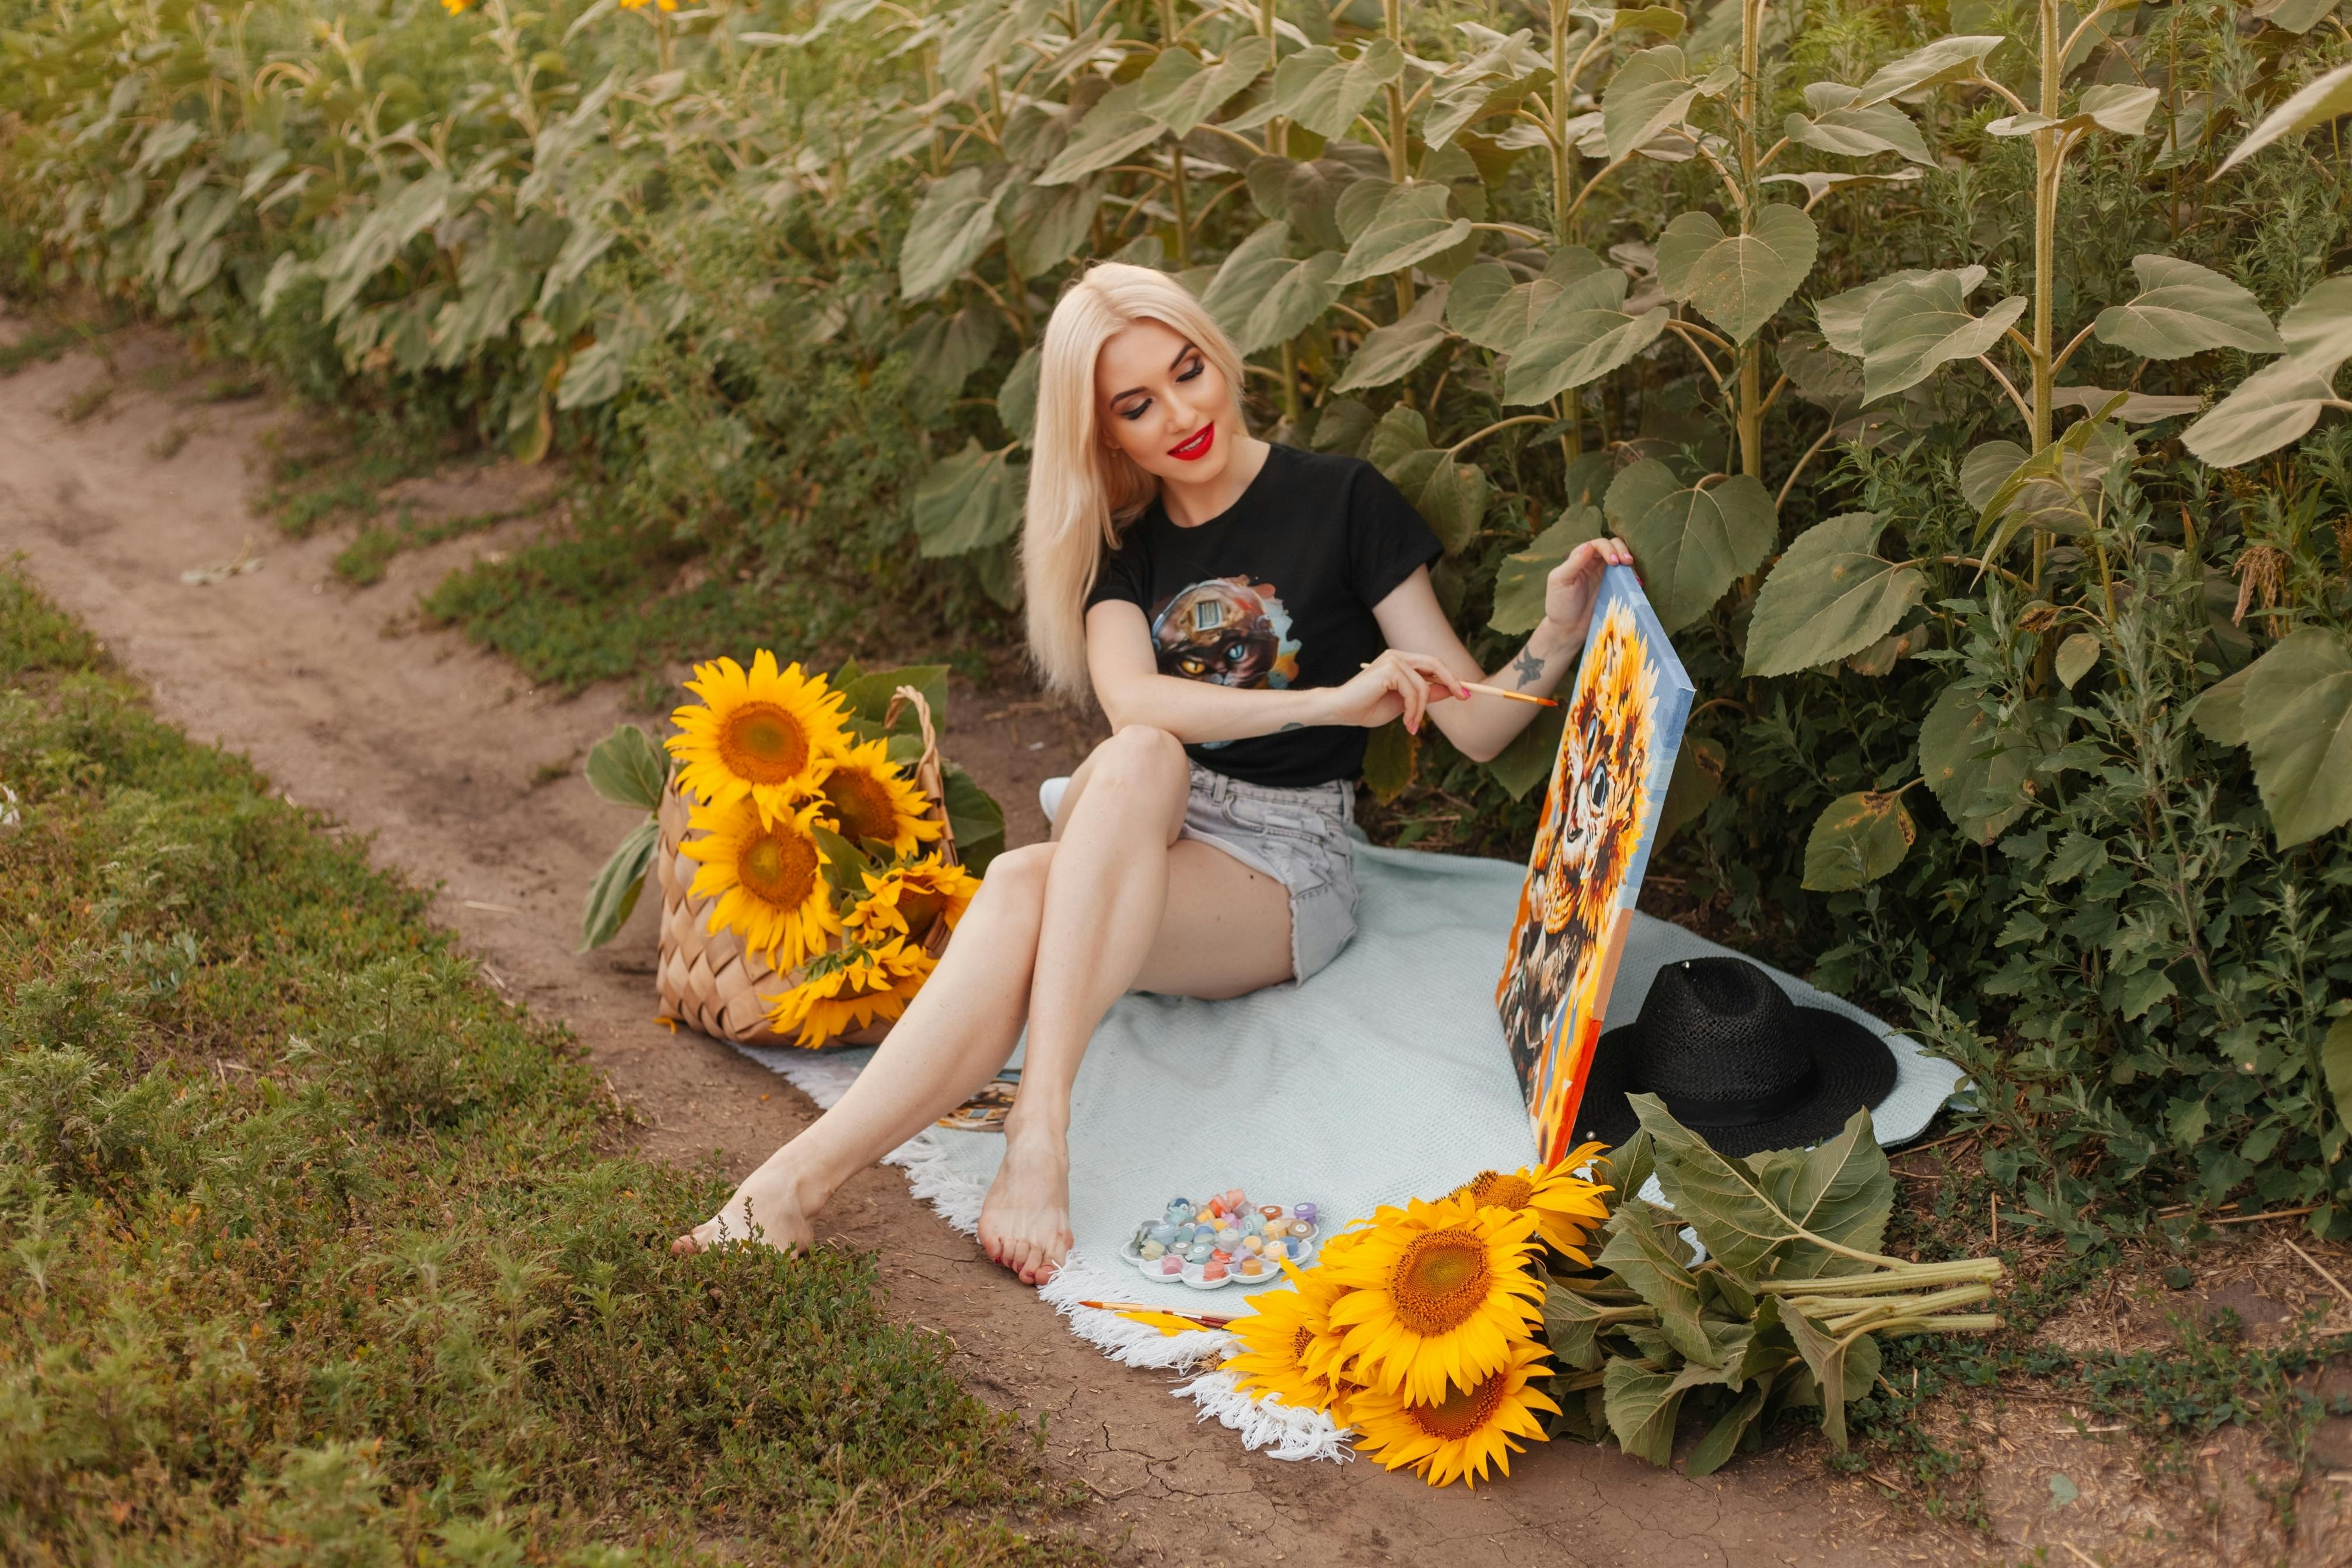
(1853,1068)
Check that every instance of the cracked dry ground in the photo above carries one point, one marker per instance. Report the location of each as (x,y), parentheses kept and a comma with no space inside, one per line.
(441,753)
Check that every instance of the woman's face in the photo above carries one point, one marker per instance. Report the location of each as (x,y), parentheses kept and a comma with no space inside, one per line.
(1161,402)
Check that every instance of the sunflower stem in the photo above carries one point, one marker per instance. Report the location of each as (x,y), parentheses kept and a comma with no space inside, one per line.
(1898,1276)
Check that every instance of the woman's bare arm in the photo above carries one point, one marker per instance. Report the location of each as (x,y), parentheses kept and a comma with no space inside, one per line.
(1412,621)
(1128,685)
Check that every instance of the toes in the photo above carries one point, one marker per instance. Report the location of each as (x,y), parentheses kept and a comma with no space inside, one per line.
(685,1246)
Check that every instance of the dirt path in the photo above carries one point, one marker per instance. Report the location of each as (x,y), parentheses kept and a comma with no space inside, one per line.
(446,757)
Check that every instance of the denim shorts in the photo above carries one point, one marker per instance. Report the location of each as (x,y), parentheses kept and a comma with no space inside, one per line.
(1298,837)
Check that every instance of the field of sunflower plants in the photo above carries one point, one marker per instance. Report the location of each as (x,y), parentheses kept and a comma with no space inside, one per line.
(1963,375)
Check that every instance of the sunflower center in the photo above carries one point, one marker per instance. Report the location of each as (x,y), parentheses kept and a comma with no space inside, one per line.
(1493,1190)
(919,907)
(779,869)
(857,800)
(1462,1411)
(1441,1281)
(764,743)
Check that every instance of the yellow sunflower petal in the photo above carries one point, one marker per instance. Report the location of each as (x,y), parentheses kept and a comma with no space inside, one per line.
(1277,1338)
(1568,1208)
(867,799)
(1465,1430)
(768,876)
(1437,1292)
(764,734)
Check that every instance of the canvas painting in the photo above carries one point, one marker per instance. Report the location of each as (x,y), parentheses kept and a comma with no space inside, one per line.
(1623,721)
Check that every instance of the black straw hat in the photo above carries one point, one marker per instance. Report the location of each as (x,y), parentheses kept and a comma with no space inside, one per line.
(1735,1060)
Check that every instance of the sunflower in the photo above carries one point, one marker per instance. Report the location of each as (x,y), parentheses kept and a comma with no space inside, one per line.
(850,989)
(905,900)
(1568,1208)
(768,876)
(1278,1338)
(769,735)
(1438,1291)
(1458,1435)
(868,801)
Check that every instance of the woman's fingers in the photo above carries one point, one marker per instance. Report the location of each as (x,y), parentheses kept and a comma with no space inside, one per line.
(1409,690)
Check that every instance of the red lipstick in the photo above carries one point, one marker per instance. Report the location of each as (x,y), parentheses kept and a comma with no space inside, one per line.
(1194,448)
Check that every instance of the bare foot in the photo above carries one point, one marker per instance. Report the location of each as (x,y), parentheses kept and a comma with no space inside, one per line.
(768,1207)
(1025,1222)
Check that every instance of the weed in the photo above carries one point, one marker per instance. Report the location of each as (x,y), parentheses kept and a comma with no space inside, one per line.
(364,560)
(165,444)
(41,346)
(81,405)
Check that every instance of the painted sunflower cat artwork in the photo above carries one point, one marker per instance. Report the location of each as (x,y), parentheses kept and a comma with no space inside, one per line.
(1622,725)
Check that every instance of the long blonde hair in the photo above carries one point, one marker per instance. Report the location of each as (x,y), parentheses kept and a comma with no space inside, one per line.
(1081,490)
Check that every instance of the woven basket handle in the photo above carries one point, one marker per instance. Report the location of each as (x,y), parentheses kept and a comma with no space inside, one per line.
(928,776)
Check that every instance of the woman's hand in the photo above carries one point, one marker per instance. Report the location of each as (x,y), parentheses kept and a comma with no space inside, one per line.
(1575,583)
(1395,683)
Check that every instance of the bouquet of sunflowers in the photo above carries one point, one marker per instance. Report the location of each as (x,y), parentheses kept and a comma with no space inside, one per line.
(1423,1327)
(813,849)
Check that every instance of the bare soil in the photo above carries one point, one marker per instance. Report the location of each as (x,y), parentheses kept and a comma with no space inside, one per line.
(466,779)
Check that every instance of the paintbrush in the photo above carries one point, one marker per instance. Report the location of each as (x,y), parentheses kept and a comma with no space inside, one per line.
(1205,1319)
(1497,691)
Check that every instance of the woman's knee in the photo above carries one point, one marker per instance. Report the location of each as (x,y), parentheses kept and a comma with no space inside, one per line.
(1015,882)
(1140,755)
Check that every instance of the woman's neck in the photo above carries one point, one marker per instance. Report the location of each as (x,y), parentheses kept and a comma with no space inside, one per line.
(1189,506)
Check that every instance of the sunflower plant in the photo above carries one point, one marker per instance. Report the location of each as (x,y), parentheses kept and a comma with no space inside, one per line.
(813,839)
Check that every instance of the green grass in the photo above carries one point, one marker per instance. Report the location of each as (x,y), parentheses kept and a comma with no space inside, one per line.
(338,469)
(605,601)
(313,1251)
(362,561)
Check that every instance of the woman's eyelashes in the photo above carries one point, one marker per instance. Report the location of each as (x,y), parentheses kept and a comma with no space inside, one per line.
(1193,370)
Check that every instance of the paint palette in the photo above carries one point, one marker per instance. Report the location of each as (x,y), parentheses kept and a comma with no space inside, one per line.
(1222,1241)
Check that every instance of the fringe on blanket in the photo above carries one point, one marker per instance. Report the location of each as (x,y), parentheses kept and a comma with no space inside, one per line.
(1283,1432)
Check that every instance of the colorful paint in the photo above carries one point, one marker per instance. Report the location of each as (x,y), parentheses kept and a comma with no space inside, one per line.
(1622,725)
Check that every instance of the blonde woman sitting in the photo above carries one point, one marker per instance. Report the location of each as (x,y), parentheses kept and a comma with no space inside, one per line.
(1244,613)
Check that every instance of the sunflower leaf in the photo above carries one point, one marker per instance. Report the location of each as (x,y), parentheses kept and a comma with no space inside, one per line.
(843,861)
(975,819)
(1795,1215)
(612,894)
(868,693)
(1642,1405)
(1722,1439)
(1648,1255)
(626,768)
(1843,1367)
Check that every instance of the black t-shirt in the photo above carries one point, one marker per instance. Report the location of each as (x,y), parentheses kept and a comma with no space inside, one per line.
(1276,591)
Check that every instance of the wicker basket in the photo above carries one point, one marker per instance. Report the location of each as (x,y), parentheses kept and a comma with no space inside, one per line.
(707,979)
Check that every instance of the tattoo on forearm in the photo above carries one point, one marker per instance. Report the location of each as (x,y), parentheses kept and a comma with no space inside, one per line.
(1287,729)
(1527,667)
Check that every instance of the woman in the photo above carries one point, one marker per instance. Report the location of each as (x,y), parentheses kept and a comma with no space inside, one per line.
(1244,613)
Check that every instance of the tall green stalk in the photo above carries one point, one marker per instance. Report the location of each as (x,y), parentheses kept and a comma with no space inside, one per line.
(1399,168)
(1751,354)
(1572,441)
(1276,143)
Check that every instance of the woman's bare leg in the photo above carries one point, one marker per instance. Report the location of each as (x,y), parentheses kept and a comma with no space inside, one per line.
(1179,919)
(1124,901)
(956,1034)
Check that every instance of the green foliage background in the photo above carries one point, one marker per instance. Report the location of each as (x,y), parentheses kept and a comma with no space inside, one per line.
(1827,310)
